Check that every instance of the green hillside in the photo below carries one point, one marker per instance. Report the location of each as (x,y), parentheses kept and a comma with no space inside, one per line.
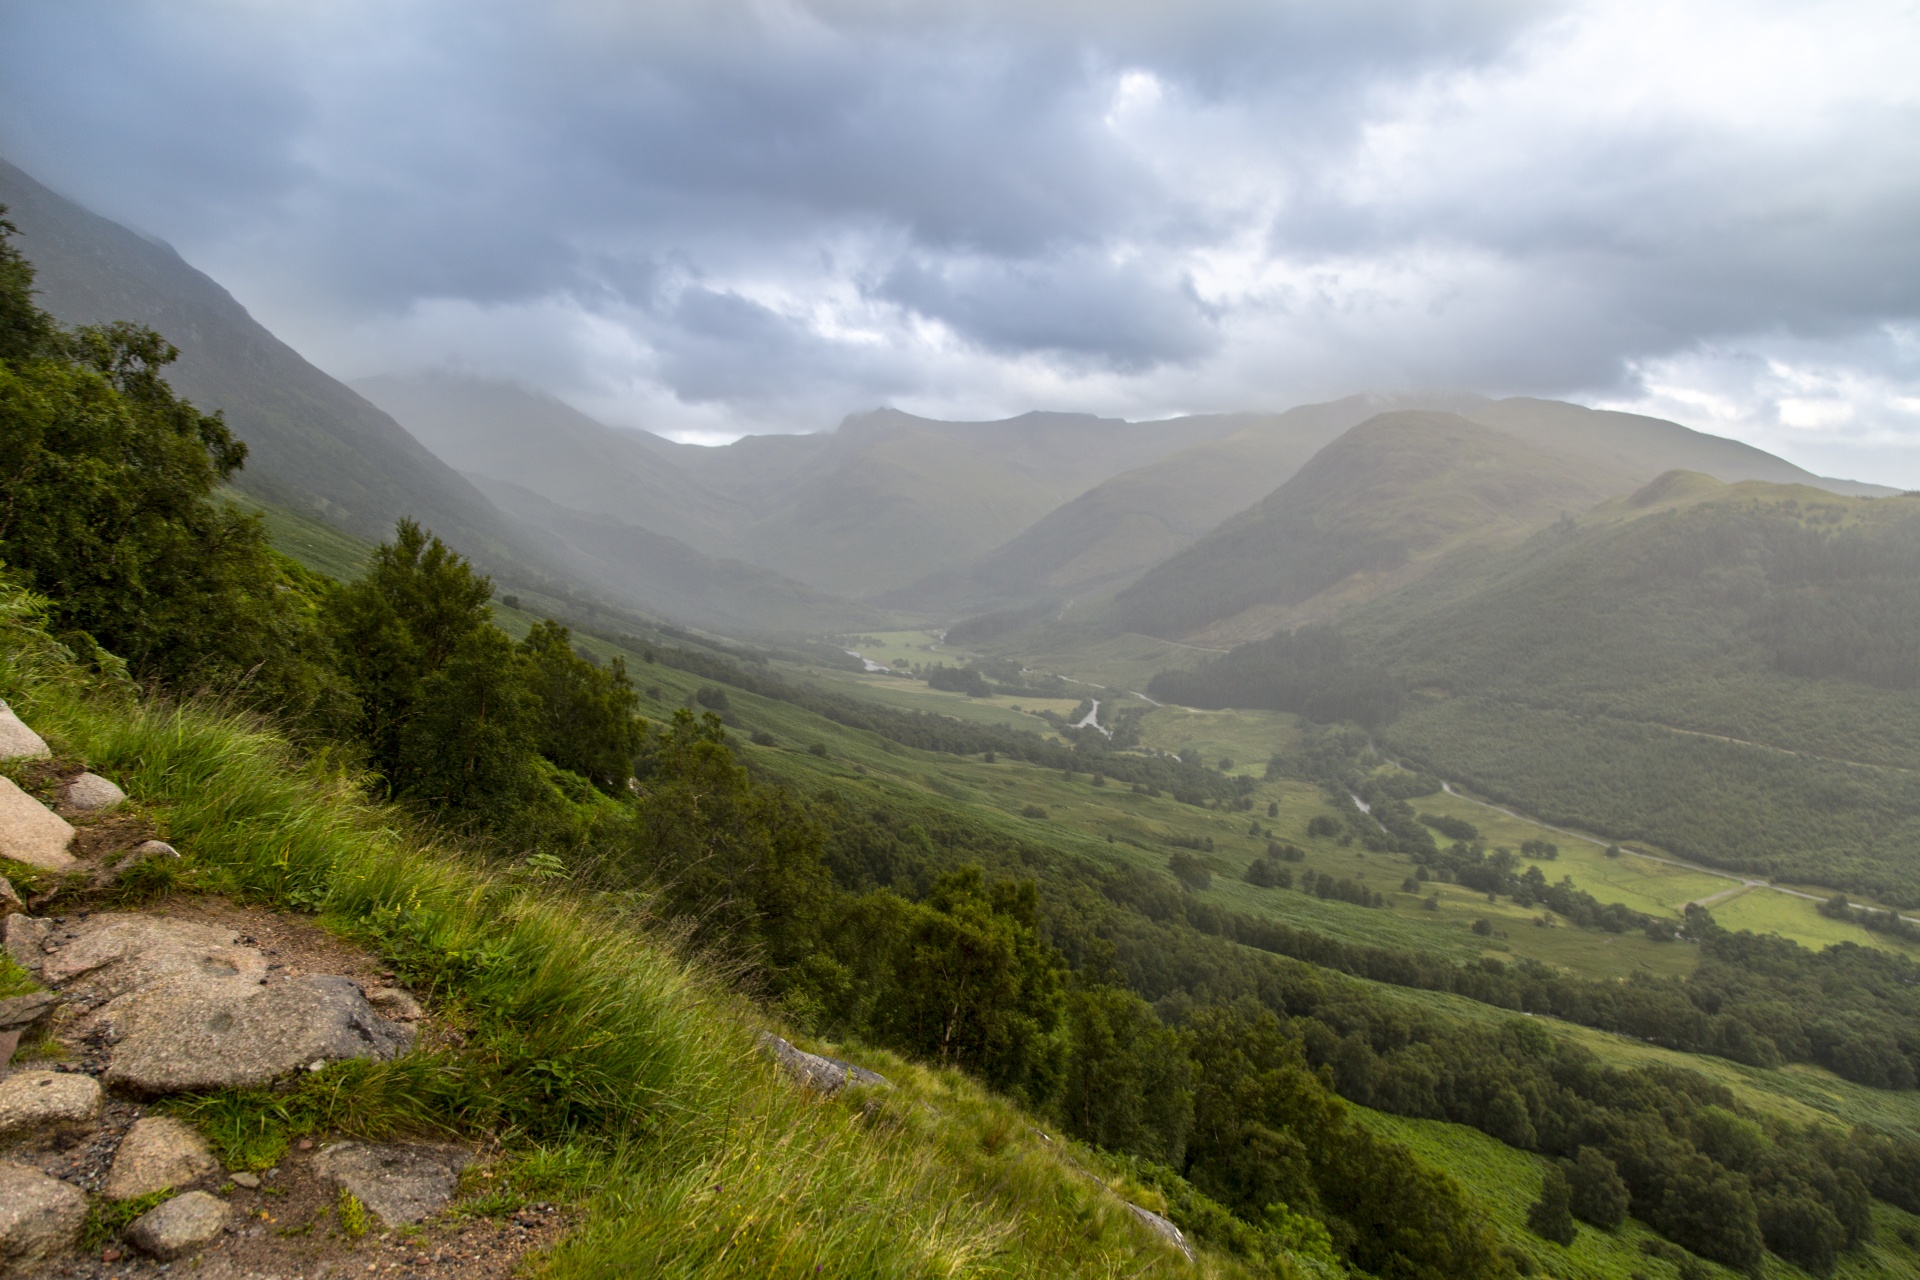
(1138,518)
(1371,511)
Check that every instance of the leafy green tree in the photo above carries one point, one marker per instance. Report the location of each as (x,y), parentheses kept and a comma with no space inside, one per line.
(395,628)
(1129,1085)
(1598,1195)
(108,508)
(588,714)
(469,747)
(742,864)
(1551,1216)
(979,988)
(1711,1211)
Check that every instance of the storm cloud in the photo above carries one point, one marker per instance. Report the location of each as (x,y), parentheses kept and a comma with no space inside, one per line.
(706,218)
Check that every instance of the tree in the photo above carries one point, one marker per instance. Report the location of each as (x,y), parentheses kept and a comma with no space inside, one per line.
(396,628)
(108,508)
(588,713)
(1129,1085)
(1598,1195)
(1550,1217)
(1190,871)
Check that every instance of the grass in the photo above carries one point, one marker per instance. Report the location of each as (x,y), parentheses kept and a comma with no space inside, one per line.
(587,1034)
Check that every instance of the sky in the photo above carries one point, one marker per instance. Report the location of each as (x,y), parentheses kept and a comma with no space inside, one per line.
(725,216)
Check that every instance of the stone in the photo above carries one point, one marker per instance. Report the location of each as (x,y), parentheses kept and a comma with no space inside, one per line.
(159,1153)
(241,1178)
(31,1101)
(826,1075)
(9,898)
(17,1012)
(401,1184)
(179,1226)
(392,1002)
(32,833)
(17,742)
(1164,1229)
(113,954)
(90,791)
(190,1032)
(26,938)
(40,1219)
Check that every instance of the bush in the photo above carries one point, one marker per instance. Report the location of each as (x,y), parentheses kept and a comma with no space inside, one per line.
(1550,1216)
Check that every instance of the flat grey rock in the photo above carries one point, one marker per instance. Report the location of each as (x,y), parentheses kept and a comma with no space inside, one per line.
(1164,1229)
(40,1219)
(32,833)
(17,741)
(90,791)
(35,1101)
(180,1225)
(25,940)
(113,954)
(191,1032)
(158,1153)
(402,1184)
(17,1012)
(827,1075)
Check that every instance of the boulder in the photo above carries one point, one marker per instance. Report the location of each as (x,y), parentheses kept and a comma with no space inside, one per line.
(20,1012)
(158,1153)
(40,1219)
(32,833)
(1164,1229)
(192,1032)
(17,741)
(26,938)
(401,1184)
(827,1075)
(90,791)
(33,1101)
(180,1225)
(9,898)
(113,954)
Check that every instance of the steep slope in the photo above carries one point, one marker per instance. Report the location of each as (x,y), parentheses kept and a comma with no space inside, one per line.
(1140,517)
(503,432)
(1730,671)
(1370,511)
(313,444)
(632,562)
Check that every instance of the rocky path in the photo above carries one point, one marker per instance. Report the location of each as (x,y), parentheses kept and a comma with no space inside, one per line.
(124,1011)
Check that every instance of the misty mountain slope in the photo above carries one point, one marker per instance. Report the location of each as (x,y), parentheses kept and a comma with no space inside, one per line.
(313,444)
(1138,518)
(1631,445)
(497,430)
(889,506)
(1368,512)
(676,580)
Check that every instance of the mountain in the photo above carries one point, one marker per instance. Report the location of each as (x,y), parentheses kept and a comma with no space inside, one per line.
(497,430)
(1371,510)
(313,444)
(1140,517)
(629,561)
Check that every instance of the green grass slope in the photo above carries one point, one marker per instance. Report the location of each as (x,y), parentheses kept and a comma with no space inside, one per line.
(599,1066)
(1371,511)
